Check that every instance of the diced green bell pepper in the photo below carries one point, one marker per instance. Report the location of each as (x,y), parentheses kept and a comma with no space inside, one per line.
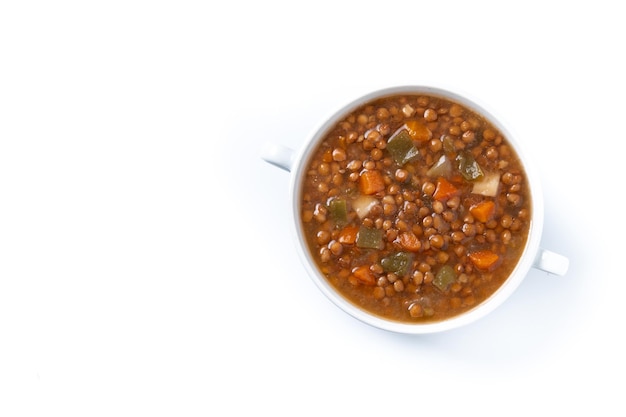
(401,147)
(338,210)
(444,278)
(468,167)
(448,144)
(369,238)
(397,263)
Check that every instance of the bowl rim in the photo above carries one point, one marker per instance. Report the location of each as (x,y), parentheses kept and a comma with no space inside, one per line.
(480,310)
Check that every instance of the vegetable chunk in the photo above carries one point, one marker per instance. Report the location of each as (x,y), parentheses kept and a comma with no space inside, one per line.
(444,190)
(418,131)
(487,185)
(484,259)
(441,168)
(338,210)
(468,167)
(371,182)
(483,211)
(348,234)
(410,242)
(398,263)
(363,204)
(364,275)
(370,238)
(401,147)
(444,278)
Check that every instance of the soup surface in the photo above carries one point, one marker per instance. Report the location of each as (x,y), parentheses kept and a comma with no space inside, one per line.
(415,208)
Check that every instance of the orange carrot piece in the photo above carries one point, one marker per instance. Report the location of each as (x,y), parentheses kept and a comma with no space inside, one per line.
(418,131)
(371,182)
(410,242)
(347,235)
(483,211)
(444,190)
(484,259)
(364,275)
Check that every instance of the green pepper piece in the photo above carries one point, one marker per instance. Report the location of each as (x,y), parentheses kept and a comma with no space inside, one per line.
(448,144)
(338,210)
(401,147)
(468,167)
(397,263)
(369,238)
(444,278)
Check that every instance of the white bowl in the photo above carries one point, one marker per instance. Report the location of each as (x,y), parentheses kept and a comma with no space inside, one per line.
(533,256)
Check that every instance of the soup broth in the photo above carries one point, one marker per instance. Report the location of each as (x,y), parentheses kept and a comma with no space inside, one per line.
(415,208)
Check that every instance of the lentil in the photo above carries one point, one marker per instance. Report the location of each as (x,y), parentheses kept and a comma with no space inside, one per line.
(433,230)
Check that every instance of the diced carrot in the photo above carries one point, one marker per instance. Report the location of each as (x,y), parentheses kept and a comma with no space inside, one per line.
(444,190)
(410,242)
(418,131)
(371,182)
(347,235)
(484,259)
(483,210)
(364,275)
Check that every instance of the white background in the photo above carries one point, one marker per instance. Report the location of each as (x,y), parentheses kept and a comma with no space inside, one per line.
(146,265)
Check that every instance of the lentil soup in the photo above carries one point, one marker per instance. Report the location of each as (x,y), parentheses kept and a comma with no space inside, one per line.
(415,208)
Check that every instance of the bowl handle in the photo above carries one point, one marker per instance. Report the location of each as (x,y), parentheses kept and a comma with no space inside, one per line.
(278,155)
(551,262)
